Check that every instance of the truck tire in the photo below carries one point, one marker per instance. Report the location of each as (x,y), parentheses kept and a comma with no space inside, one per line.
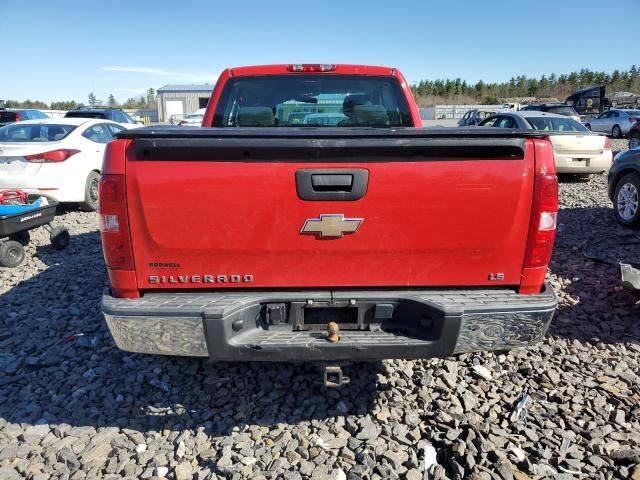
(91,192)
(11,254)
(626,200)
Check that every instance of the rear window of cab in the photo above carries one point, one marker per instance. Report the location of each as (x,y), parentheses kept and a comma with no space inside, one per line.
(308,100)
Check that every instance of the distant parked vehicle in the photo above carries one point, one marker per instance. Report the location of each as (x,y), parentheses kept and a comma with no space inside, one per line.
(473,117)
(616,123)
(57,157)
(576,149)
(593,100)
(617,99)
(10,115)
(176,118)
(587,101)
(193,119)
(106,113)
(324,119)
(557,108)
(509,107)
(624,188)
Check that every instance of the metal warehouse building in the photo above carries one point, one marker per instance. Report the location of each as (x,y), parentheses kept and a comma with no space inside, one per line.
(182,99)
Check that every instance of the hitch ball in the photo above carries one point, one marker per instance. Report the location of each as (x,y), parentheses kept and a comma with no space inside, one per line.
(333,332)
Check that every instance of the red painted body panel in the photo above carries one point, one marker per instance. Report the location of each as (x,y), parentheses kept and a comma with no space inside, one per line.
(425,224)
(340,69)
(436,223)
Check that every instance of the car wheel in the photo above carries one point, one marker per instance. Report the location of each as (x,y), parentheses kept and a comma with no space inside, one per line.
(91,192)
(625,200)
(634,142)
(59,238)
(616,132)
(11,253)
(588,125)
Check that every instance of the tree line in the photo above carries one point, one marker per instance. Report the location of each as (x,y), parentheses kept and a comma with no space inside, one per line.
(558,87)
(139,102)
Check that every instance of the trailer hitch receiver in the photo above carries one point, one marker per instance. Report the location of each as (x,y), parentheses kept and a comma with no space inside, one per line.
(334,378)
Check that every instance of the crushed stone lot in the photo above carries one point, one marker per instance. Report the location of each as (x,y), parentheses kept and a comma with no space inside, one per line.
(73,406)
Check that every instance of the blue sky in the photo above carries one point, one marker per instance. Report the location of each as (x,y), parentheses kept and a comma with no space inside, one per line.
(64,50)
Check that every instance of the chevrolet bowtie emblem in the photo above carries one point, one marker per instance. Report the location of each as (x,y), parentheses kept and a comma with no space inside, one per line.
(331,225)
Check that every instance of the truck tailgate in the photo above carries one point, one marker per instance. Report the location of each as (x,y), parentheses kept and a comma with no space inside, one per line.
(223,209)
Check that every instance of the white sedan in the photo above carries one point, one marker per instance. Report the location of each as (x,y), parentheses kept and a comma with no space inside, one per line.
(58,157)
(575,148)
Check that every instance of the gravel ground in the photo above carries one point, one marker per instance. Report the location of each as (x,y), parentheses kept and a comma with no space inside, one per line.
(73,406)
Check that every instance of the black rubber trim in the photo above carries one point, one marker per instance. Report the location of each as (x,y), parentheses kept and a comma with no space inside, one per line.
(326,144)
(327,150)
(339,184)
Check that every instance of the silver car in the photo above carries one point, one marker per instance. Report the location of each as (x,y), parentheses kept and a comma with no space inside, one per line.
(616,123)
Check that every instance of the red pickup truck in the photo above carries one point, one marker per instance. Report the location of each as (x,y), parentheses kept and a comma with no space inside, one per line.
(311,199)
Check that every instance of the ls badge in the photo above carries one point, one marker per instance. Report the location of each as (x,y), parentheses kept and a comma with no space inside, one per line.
(331,225)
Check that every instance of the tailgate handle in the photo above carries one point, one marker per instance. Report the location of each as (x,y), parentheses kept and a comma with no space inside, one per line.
(332,182)
(345,184)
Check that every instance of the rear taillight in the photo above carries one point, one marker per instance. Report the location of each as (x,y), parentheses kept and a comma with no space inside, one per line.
(544,214)
(17,116)
(632,119)
(311,67)
(114,225)
(53,156)
(607,143)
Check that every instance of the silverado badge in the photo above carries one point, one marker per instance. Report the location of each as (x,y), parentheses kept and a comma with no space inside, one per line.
(331,225)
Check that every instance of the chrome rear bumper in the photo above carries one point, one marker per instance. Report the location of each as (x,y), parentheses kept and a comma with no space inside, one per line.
(395,323)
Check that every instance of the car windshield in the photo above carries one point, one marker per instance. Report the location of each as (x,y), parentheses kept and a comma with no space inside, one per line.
(568,111)
(194,117)
(34,132)
(552,124)
(312,101)
(633,113)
